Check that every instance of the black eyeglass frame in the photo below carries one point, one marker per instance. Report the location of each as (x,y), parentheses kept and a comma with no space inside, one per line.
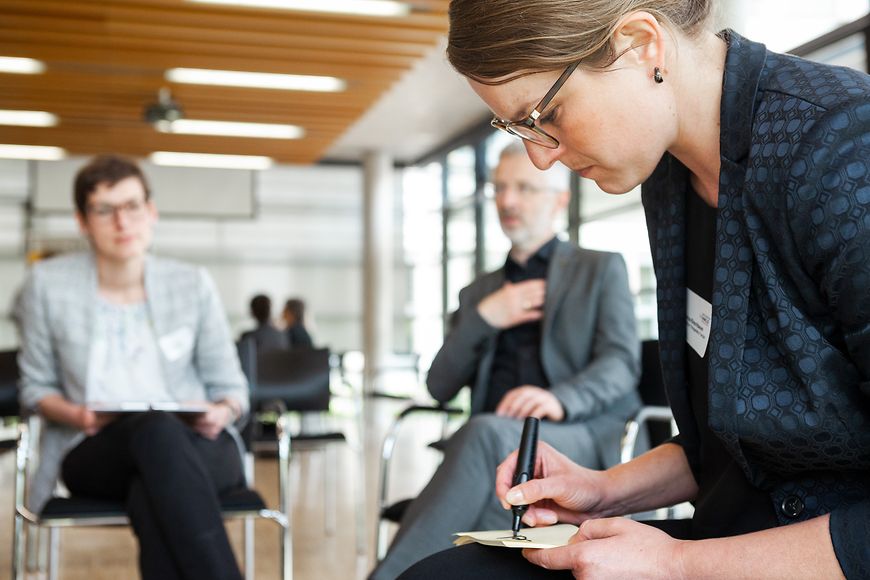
(537,135)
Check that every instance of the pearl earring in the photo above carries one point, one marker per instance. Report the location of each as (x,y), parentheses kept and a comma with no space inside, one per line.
(657,75)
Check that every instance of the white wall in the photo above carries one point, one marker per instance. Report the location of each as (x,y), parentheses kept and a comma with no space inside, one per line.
(306,241)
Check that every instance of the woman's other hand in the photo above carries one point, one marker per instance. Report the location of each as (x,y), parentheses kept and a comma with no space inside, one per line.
(212,422)
(615,548)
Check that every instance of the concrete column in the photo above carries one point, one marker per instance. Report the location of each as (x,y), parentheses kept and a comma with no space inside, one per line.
(378,234)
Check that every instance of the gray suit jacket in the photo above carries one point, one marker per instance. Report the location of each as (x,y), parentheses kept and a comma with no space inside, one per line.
(589,351)
(55,312)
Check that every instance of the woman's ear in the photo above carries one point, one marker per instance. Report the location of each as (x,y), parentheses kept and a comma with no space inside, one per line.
(640,38)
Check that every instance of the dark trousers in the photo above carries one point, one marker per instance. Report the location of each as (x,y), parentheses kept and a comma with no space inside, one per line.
(170,478)
(477,562)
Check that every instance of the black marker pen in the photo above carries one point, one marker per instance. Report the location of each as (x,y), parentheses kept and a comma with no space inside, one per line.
(525,469)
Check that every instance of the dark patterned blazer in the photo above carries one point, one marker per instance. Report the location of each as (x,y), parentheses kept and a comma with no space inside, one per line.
(789,351)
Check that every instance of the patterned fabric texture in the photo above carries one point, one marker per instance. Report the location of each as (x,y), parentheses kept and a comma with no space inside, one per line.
(789,390)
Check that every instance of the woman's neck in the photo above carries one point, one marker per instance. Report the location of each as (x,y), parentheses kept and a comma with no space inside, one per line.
(121,282)
(702,66)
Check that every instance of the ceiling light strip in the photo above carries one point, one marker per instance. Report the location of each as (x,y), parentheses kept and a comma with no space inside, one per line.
(27,118)
(210,160)
(233,129)
(355,7)
(39,152)
(23,66)
(231,78)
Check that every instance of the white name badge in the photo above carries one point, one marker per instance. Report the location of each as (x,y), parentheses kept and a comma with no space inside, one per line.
(177,343)
(699,315)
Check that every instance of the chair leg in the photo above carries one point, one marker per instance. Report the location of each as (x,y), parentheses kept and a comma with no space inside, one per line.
(35,546)
(285,502)
(53,553)
(331,487)
(381,540)
(248,543)
(286,552)
(360,500)
(19,541)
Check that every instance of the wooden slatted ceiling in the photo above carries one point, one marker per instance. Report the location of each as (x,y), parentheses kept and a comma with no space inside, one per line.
(106,60)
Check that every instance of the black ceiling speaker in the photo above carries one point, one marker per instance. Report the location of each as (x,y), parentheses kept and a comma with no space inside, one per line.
(162,113)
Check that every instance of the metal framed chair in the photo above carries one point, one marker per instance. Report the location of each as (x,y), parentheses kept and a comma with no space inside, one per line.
(390,512)
(67,512)
(300,381)
(654,422)
(655,415)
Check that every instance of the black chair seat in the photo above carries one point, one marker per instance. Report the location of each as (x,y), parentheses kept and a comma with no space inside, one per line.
(317,438)
(440,445)
(242,500)
(395,512)
(85,507)
(82,507)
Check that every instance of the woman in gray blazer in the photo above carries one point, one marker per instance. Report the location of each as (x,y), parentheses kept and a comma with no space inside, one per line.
(116,325)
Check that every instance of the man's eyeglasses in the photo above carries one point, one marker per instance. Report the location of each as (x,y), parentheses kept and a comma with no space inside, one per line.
(522,189)
(526,128)
(105,212)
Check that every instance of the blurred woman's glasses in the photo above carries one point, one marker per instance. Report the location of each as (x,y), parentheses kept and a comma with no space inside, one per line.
(105,212)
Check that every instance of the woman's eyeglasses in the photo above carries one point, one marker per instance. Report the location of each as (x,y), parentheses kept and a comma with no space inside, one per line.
(526,128)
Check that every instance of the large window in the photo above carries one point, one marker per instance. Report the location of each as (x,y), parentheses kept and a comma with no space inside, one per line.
(460,217)
(423,239)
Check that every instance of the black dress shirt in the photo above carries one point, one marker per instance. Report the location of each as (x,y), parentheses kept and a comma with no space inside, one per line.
(517,358)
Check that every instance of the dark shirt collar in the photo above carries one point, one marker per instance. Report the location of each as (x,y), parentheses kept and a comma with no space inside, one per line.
(744,63)
(542,256)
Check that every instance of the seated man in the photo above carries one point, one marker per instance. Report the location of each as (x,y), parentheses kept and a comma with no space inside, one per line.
(552,334)
(116,324)
(266,337)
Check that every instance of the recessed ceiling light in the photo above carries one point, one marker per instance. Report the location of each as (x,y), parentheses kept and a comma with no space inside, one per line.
(23,66)
(232,78)
(32,152)
(27,118)
(210,160)
(233,129)
(360,7)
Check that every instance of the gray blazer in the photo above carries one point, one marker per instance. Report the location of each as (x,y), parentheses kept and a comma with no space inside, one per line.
(55,312)
(589,349)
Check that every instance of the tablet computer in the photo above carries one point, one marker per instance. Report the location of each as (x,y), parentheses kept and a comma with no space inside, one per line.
(144,406)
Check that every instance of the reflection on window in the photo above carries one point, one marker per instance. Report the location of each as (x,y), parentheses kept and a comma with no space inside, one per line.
(422,239)
(461,231)
(796,21)
(849,52)
(497,244)
(460,174)
(460,273)
(625,232)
